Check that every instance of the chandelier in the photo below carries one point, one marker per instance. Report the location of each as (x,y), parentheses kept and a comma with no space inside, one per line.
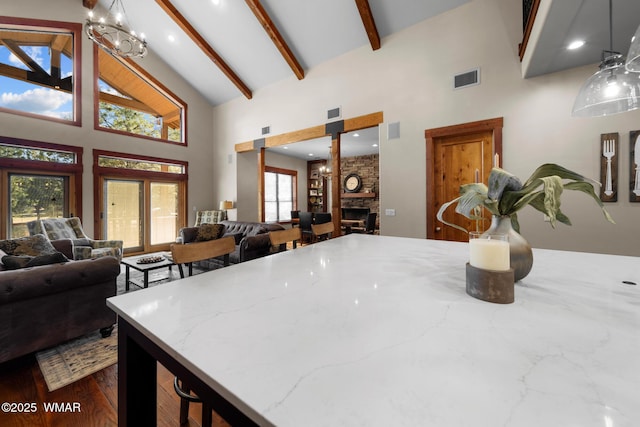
(112,35)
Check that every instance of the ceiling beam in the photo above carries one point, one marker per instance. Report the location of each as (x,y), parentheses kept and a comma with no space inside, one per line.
(369,23)
(276,37)
(204,46)
(89,4)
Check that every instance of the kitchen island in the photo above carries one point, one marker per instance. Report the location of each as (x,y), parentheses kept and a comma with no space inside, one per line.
(379,331)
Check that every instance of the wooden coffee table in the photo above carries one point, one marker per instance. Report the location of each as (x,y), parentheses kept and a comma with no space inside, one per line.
(136,262)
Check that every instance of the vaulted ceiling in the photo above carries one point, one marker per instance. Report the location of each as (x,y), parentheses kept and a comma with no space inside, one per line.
(231,48)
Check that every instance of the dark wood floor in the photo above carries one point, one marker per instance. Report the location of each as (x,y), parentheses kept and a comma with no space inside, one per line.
(22,382)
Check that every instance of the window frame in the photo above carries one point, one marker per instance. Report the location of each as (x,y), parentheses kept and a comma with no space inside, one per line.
(52,26)
(100,173)
(36,167)
(148,79)
(294,189)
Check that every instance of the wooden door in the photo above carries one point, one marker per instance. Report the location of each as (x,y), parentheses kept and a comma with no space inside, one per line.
(458,155)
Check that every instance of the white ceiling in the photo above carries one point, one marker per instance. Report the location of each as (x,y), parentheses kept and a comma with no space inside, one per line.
(588,20)
(315,30)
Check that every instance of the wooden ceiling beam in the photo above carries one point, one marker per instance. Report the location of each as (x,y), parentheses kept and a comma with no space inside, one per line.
(369,23)
(276,37)
(204,46)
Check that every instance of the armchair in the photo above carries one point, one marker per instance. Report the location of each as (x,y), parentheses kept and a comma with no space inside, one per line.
(71,228)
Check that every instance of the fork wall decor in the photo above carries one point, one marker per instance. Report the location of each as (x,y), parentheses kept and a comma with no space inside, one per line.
(634,166)
(609,167)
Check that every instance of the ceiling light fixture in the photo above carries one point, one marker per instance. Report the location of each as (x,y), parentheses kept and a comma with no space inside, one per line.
(612,89)
(112,33)
(575,45)
(633,57)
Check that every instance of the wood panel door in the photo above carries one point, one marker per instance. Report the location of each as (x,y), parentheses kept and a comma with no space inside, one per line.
(458,155)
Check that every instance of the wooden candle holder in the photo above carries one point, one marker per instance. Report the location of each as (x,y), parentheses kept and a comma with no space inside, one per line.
(490,285)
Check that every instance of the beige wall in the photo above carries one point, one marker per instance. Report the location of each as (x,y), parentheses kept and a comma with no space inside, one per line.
(410,80)
(199,131)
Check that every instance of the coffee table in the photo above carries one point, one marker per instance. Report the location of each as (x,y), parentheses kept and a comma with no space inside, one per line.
(135,263)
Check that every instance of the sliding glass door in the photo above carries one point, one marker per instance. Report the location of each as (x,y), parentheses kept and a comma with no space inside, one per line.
(142,213)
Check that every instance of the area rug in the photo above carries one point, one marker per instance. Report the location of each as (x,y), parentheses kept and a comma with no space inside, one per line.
(78,358)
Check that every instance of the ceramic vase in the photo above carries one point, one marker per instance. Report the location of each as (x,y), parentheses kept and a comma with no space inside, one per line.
(520,253)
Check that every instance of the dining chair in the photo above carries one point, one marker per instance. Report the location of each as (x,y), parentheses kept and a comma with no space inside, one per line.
(322,217)
(322,231)
(280,238)
(186,397)
(369,226)
(306,219)
(199,251)
(295,218)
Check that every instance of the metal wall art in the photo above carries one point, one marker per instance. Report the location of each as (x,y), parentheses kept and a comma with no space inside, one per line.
(609,167)
(634,166)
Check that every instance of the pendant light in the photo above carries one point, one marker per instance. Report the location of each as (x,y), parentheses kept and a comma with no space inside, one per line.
(612,89)
(633,57)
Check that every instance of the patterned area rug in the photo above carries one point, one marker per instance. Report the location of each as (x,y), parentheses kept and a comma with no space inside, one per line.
(78,358)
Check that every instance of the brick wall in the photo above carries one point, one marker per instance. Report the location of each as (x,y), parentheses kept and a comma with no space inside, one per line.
(368,169)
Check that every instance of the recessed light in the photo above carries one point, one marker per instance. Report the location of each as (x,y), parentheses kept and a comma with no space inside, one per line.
(171,38)
(355,135)
(576,44)
(285,148)
(374,145)
(310,154)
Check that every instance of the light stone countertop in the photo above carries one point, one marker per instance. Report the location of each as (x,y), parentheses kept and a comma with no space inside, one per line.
(378,331)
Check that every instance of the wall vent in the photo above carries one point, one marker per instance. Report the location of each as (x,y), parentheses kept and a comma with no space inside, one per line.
(334,113)
(469,78)
(266,130)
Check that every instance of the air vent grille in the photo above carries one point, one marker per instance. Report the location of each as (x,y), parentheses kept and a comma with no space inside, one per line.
(266,130)
(470,78)
(334,113)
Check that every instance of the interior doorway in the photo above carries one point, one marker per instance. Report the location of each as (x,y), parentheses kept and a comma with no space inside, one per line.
(456,155)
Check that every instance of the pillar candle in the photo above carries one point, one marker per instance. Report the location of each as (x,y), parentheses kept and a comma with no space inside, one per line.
(489,254)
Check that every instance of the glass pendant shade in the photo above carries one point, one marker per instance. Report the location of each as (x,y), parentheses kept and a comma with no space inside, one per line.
(633,58)
(611,90)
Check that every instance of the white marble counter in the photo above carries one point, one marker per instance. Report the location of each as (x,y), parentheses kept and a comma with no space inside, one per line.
(378,331)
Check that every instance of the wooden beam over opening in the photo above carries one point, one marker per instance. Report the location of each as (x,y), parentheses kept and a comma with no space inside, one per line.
(204,46)
(369,23)
(276,37)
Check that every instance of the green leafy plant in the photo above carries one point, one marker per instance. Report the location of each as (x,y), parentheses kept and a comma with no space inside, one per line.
(506,195)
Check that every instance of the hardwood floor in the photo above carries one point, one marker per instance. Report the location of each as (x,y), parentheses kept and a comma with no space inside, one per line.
(21,382)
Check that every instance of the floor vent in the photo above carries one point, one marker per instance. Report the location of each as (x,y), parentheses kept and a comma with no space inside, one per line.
(334,113)
(470,78)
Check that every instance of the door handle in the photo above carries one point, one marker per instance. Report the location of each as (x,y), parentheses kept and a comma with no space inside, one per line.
(438,229)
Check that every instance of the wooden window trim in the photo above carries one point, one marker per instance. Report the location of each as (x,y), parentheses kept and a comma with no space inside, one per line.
(102,172)
(294,175)
(76,31)
(72,170)
(136,69)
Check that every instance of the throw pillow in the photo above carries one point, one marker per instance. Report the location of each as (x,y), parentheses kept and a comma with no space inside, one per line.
(14,262)
(30,245)
(2,253)
(209,232)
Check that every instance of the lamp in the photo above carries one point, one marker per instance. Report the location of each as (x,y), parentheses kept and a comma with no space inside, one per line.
(633,57)
(325,171)
(612,89)
(111,34)
(226,204)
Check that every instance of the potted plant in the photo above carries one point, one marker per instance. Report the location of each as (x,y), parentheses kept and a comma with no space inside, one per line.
(506,195)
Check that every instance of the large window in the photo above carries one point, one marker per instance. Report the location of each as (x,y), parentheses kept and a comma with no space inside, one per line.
(37,181)
(140,200)
(130,101)
(280,188)
(40,69)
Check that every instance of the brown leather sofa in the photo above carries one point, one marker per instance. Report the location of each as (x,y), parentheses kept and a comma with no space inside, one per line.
(46,305)
(252,238)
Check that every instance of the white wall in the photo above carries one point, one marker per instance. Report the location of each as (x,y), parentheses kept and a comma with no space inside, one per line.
(410,80)
(198,153)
